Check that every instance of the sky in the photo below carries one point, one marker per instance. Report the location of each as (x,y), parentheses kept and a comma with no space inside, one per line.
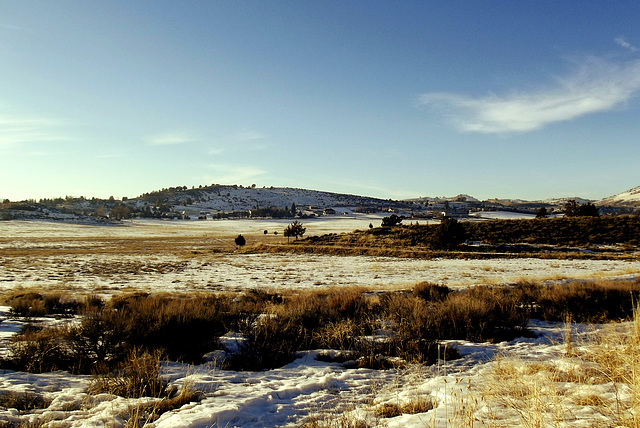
(390,99)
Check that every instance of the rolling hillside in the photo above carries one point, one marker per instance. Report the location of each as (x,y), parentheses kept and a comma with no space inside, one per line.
(226,198)
(630,198)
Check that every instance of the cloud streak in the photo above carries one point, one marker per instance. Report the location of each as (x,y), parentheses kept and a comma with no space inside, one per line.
(249,136)
(623,43)
(170,138)
(594,85)
(23,129)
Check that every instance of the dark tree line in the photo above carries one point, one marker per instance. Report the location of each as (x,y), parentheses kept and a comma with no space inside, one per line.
(572,209)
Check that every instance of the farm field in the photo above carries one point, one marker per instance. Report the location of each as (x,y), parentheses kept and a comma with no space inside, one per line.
(201,257)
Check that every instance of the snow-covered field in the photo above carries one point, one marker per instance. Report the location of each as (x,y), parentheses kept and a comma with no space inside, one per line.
(158,256)
(93,259)
(502,215)
(469,392)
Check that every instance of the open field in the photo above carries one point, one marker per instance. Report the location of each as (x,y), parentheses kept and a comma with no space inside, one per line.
(158,256)
(543,380)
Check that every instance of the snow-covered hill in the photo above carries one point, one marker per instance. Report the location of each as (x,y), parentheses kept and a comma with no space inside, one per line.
(442,199)
(630,198)
(237,198)
(217,198)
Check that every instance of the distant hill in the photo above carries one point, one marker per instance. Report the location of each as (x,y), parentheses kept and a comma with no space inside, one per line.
(229,198)
(630,198)
(217,201)
(442,199)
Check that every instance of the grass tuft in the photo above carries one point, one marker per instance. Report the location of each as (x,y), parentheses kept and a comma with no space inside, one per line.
(22,401)
(137,377)
(417,405)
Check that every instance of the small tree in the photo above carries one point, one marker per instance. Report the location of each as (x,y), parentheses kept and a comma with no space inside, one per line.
(588,210)
(392,220)
(542,213)
(294,229)
(571,208)
(119,212)
(240,241)
(100,211)
(449,234)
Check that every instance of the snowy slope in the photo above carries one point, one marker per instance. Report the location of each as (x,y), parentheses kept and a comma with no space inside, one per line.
(629,198)
(237,198)
(441,199)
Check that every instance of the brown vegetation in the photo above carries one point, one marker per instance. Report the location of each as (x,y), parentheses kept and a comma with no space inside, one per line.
(372,329)
(600,376)
(418,405)
(557,238)
(22,401)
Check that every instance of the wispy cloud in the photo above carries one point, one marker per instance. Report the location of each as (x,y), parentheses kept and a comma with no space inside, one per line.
(244,136)
(233,174)
(110,156)
(251,140)
(170,138)
(594,85)
(13,27)
(623,43)
(22,129)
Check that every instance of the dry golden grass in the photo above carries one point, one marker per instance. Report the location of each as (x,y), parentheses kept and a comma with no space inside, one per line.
(345,420)
(416,405)
(22,401)
(139,377)
(73,242)
(531,394)
(599,378)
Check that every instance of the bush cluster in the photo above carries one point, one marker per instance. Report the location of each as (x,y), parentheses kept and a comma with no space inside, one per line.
(372,329)
(32,304)
(581,231)
(450,234)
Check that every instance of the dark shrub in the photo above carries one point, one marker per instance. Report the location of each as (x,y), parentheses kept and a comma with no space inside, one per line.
(430,291)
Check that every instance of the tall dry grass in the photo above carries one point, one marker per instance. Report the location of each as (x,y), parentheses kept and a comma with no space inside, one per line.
(374,329)
(139,376)
(595,384)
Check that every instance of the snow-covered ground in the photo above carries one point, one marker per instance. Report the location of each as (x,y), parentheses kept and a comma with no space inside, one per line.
(109,274)
(76,264)
(502,215)
(462,392)
(306,389)
(16,230)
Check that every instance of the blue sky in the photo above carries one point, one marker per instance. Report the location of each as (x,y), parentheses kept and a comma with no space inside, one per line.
(393,99)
